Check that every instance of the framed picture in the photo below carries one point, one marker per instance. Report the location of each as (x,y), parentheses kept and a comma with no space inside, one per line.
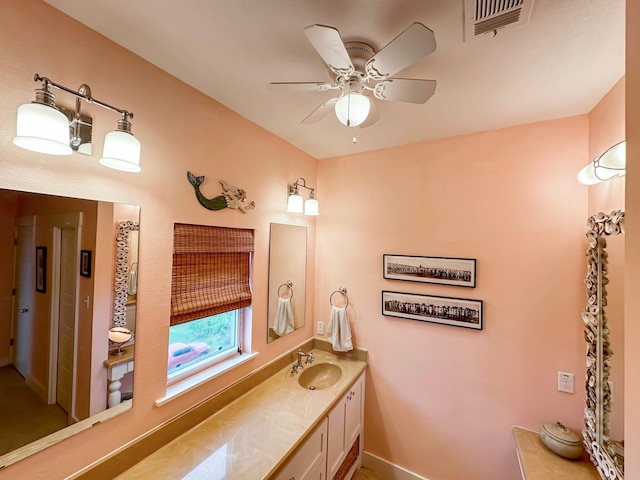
(460,272)
(458,312)
(41,269)
(85,263)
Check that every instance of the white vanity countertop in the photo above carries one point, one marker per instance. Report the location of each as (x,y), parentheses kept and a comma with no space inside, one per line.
(251,437)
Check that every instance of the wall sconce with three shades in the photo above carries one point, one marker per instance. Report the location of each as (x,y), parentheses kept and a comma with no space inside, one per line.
(295,202)
(44,127)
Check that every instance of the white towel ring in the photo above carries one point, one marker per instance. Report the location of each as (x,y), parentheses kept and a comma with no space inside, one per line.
(289,285)
(342,290)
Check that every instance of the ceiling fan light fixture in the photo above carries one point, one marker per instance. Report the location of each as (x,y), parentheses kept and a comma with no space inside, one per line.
(353,108)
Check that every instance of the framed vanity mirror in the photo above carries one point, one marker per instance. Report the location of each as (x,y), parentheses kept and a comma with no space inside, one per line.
(56,308)
(604,323)
(287,279)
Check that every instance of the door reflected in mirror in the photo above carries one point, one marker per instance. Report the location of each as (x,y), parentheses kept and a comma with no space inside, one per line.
(56,309)
(287,279)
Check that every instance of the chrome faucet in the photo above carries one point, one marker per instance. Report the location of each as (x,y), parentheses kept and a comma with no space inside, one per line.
(298,365)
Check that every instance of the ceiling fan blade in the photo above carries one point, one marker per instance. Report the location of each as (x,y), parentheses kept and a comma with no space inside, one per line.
(373,117)
(301,86)
(405,90)
(415,42)
(320,112)
(329,45)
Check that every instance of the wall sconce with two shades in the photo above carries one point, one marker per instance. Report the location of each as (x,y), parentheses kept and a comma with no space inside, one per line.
(295,202)
(44,127)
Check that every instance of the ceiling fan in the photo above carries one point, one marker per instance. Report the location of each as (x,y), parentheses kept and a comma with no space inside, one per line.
(361,72)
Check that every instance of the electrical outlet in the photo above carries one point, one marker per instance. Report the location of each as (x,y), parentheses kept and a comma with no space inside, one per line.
(565,382)
(320,328)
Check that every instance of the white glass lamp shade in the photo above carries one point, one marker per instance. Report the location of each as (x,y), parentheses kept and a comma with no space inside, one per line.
(120,335)
(615,158)
(41,128)
(311,207)
(85,148)
(352,109)
(121,152)
(587,175)
(611,163)
(294,204)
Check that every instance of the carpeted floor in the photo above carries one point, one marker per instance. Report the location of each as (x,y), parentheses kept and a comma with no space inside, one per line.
(23,416)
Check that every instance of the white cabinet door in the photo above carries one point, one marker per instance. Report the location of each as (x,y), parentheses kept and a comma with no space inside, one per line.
(345,424)
(309,460)
(353,414)
(335,438)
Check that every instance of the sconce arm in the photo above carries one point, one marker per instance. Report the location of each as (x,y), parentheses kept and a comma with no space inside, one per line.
(84,93)
(297,185)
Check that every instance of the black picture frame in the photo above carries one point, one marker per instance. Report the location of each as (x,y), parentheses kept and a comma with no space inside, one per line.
(85,263)
(459,272)
(41,270)
(457,312)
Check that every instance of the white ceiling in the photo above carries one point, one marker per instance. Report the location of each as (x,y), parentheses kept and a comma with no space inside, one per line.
(559,64)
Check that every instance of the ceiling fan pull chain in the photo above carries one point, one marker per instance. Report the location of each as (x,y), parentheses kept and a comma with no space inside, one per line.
(355,140)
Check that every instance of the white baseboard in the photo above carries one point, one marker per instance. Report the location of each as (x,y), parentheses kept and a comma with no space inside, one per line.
(387,469)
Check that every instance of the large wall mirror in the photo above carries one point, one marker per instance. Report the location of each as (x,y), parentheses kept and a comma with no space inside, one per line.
(57,303)
(287,279)
(604,332)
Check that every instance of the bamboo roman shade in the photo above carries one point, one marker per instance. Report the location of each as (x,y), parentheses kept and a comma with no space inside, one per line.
(211,271)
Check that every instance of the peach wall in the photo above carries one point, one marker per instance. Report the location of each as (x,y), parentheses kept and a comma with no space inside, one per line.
(180,129)
(632,240)
(441,400)
(606,128)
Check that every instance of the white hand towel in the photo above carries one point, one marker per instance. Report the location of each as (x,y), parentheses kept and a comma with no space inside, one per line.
(133,279)
(283,321)
(339,331)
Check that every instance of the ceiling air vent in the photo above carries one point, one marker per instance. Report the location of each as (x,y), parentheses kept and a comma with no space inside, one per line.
(487,16)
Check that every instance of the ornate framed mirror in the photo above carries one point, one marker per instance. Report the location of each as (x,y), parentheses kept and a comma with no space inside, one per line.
(606,453)
(125,279)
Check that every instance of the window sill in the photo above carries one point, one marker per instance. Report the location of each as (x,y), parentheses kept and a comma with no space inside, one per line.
(194,381)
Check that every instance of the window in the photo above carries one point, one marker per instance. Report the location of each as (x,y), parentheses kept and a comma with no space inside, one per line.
(210,288)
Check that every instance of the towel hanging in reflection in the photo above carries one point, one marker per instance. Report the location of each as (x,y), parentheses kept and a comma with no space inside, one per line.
(133,279)
(339,331)
(283,322)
